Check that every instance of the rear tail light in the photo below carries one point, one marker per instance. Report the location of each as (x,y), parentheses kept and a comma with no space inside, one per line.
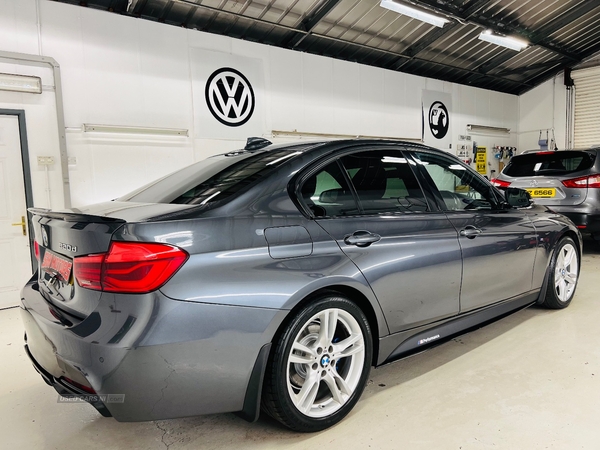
(500,183)
(592,181)
(129,267)
(36,249)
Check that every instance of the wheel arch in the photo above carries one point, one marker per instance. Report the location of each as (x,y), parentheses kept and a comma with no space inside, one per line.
(578,241)
(377,324)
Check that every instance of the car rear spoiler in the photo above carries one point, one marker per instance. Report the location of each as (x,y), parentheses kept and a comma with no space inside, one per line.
(73,216)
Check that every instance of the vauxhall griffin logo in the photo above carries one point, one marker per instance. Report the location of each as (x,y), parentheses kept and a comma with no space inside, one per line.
(439,120)
(229,97)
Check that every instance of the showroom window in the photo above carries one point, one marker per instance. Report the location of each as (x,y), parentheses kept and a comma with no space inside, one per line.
(384,182)
(459,188)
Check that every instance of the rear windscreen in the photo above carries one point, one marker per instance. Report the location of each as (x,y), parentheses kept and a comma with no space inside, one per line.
(213,179)
(555,163)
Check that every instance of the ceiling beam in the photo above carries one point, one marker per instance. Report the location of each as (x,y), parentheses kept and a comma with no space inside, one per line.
(525,69)
(548,74)
(309,23)
(438,33)
(451,9)
(541,37)
(165,12)
(423,43)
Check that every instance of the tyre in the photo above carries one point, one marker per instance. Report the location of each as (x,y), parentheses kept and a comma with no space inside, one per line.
(319,366)
(563,275)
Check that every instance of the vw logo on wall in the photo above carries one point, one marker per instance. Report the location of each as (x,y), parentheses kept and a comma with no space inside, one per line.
(439,120)
(229,97)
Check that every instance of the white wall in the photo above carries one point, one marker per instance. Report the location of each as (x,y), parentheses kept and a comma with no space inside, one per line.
(124,71)
(543,108)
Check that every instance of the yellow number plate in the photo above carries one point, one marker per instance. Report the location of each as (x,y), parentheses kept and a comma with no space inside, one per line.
(542,193)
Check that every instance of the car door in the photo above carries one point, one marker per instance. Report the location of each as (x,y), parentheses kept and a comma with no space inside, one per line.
(371,203)
(498,244)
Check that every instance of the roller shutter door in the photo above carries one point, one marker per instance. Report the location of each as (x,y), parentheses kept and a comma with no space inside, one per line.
(587,107)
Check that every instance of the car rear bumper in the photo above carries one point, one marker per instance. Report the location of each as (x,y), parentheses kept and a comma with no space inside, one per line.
(156,357)
(587,223)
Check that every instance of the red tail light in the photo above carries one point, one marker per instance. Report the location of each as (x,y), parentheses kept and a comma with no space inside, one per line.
(87,389)
(500,183)
(36,249)
(129,267)
(592,181)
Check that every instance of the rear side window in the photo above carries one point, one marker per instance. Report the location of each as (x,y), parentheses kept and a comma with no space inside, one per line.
(555,163)
(326,193)
(214,179)
(384,182)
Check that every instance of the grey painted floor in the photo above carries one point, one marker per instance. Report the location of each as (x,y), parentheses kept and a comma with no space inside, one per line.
(529,381)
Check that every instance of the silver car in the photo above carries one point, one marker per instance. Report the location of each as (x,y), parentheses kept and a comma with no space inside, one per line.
(567,181)
(275,277)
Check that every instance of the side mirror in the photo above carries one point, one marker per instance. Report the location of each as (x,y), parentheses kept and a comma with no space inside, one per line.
(517,198)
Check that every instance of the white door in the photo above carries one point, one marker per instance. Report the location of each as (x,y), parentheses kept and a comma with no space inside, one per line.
(15,262)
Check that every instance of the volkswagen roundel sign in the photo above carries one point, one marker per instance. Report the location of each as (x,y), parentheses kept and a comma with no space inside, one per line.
(439,120)
(229,97)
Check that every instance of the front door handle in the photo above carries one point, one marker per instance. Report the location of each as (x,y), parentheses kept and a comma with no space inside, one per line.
(21,224)
(361,238)
(470,232)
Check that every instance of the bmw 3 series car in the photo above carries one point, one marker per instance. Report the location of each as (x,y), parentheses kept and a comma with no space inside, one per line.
(567,181)
(274,277)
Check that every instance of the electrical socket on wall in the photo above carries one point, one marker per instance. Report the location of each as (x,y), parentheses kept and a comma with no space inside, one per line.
(45,160)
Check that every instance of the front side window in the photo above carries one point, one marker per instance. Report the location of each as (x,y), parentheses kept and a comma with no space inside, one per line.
(384,182)
(459,187)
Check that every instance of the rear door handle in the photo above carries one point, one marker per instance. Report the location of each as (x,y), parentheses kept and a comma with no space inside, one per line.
(470,232)
(361,238)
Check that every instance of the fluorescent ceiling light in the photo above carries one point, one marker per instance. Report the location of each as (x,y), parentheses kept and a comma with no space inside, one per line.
(503,41)
(414,13)
(20,83)
(87,127)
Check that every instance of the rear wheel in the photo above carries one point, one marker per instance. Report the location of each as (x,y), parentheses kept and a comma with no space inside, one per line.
(563,275)
(319,366)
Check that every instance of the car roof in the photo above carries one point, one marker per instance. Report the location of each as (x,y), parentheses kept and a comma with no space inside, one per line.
(537,150)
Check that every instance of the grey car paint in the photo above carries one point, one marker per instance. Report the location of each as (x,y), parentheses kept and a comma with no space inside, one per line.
(198,345)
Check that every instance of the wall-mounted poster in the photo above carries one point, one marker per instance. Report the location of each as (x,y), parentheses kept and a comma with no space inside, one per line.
(228,95)
(481,160)
(437,120)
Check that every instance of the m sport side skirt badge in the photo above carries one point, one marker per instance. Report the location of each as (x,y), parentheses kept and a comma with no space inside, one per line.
(429,339)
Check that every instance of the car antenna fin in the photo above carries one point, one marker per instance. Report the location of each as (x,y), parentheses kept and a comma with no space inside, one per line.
(256,143)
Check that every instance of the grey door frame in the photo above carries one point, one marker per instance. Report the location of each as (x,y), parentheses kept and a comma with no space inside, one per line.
(20,114)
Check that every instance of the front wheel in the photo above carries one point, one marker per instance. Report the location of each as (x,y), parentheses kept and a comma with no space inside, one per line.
(563,275)
(319,366)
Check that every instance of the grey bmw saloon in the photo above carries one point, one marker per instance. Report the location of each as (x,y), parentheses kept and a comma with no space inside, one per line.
(274,277)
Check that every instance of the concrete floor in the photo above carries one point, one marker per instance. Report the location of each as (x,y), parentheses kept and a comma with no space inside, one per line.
(529,381)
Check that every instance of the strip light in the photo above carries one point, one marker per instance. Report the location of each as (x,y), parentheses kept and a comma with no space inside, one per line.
(503,41)
(414,13)
(87,128)
(485,129)
(20,83)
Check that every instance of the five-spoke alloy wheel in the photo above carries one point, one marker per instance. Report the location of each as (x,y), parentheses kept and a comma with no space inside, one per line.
(320,365)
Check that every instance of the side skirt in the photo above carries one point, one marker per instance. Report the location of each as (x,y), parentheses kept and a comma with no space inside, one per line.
(419,339)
